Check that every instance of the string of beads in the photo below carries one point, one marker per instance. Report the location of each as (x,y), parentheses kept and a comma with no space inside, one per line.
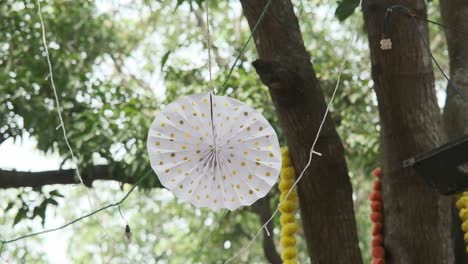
(288,208)
(462,205)
(378,252)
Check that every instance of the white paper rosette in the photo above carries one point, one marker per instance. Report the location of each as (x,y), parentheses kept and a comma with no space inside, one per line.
(228,163)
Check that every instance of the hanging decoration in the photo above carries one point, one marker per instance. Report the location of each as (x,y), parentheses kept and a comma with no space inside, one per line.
(462,205)
(214,151)
(378,252)
(287,208)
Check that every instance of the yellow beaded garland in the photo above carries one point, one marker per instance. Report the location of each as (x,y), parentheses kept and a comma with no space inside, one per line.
(288,207)
(462,205)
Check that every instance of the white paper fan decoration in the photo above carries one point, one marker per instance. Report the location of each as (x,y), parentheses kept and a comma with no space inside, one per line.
(229,164)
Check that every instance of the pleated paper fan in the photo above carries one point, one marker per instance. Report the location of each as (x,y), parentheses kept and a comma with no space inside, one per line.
(228,163)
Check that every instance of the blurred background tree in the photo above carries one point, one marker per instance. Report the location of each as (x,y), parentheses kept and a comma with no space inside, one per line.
(116,64)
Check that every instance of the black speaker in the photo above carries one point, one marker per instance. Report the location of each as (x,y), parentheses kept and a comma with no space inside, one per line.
(444,168)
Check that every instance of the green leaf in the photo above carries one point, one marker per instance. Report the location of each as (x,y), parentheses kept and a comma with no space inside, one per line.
(9,206)
(164,58)
(51,201)
(346,8)
(179,2)
(19,216)
(56,193)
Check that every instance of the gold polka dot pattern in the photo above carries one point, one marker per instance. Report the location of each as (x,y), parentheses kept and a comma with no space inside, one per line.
(214,151)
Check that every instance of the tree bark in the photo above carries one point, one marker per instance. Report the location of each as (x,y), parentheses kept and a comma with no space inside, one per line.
(416,218)
(17,179)
(455,14)
(325,192)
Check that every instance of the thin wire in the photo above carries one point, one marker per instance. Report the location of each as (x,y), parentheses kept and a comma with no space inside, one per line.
(81,217)
(57,102)
(311,153)
(121,214)
(62,124)
(426,45)
(244,47)
(406,11)
(1,250)
(440,25)
(115,8)
(208,42)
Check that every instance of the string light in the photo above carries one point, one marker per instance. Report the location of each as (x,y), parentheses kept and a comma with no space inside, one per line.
(128,233)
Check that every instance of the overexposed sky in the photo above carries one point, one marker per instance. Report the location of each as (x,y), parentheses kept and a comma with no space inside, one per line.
(23,155)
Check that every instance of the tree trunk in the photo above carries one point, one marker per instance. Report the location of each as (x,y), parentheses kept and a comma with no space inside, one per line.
(455,14)
(416,218)
(325,192)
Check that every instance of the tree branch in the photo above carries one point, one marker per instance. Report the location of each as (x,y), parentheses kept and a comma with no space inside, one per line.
(16,179)
(129,76)
(263,210)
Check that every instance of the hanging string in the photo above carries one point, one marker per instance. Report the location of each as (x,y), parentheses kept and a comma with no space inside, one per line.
(62,124)
(57,102)
(208,43)
(212,91)
(428,49)
(406,11)
(244,47)
(440,25)
(115,9)
(121,214)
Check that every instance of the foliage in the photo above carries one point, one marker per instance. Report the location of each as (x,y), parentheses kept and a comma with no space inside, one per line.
(346,8)
(96,109)
(26,251)
(115,66)
(165,231)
